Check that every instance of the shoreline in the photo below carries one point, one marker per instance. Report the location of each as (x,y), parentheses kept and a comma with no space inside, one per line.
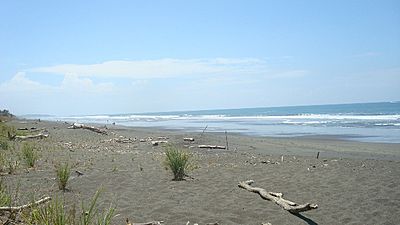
(330,146)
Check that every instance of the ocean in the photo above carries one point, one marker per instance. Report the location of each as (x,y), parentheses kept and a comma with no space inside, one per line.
(369,122)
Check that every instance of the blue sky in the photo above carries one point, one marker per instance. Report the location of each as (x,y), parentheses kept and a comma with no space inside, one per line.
(94,57)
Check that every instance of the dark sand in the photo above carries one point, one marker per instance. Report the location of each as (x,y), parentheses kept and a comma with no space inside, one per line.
(352,182)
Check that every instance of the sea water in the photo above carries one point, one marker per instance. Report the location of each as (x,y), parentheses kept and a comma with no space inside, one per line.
(371,122)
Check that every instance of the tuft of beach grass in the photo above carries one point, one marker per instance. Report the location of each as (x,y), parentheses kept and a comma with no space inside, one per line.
(178,161)
(56,213)
(29,154)
(5,197)
(63,171)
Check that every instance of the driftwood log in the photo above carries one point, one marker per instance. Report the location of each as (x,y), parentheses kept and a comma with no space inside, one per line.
(216,223)
(40,136)
(155,143)
(121,140)
(212,146)
(277,198)
(124,140)
(19,208)
(83,126)
(188,139)
(146,223)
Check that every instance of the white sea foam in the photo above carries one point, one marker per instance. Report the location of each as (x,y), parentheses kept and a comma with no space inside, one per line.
(375,121)
(316,118)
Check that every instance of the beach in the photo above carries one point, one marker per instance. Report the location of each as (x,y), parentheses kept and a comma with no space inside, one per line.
(351,182)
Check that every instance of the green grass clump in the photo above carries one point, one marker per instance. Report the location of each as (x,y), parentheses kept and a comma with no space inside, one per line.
(6,131)
(5,197)
(178,161)
(91,214)
(4,145)
(12,165)
(29,154)
(56,213)
(3,161)
(63,173)
(8,164)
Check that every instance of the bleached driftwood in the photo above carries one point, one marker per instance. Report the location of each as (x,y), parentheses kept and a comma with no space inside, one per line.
(277,198)
(212,146)
(120,140)
(124,140)
(188,139)
(145,139)
(155,143)
(146,223)
(40,136)
(83,126)
(19,208)
(216,223)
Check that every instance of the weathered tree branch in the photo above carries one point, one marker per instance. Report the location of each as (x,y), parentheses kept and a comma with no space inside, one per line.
(146,223)
(19,208)
(212,146)
(155,143)
(216,223)
(277,198)
(83,126)
(40,136)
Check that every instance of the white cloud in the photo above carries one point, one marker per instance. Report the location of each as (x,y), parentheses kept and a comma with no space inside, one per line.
(207,82)
(73,83)
(20,83)
(160,68)
(22,95)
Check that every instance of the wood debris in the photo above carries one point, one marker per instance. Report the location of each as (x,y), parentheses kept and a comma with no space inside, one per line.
(91,128)
(20,208)
(156,143)
(277,198)
(34,136)
(145,223)
(212,146)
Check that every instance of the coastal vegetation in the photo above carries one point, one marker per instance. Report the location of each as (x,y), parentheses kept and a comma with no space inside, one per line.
(6,131)
(63,171)
(5,115)
(29,153)
(178,161)
(5,197)
(57,213)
